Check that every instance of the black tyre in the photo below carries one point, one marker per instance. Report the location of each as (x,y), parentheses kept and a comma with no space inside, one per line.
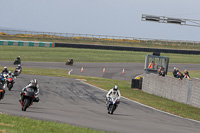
(10,86)
(1,94)
(26,104)
(15,73)
(110,111)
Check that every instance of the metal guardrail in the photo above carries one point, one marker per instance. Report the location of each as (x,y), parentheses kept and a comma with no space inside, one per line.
(91,37)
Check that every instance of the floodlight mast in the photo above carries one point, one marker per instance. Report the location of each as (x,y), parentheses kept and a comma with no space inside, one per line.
(164,19)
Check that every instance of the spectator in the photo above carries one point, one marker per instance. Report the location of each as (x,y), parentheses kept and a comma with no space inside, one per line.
(161,71)
(186,74)
(175,72)
(180,76)
(151,65)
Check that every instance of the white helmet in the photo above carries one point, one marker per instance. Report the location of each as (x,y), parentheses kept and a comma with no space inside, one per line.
(9,72)
(33,82)
(115,88)
(5,67)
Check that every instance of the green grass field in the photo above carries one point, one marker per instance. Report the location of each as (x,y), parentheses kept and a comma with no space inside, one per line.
(14,124)
(39,54)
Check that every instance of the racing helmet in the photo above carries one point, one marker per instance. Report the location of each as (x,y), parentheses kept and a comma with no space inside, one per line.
(115,88)
(19,65)
(5,68)
(9,73)
(33,82)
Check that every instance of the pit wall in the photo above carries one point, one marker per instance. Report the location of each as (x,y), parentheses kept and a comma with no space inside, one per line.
(26,43)
(183,91)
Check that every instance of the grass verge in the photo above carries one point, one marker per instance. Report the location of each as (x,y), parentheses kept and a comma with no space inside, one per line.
(14,124)
(39,54)
(157,102)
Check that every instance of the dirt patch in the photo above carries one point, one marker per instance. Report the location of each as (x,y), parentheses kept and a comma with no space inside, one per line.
(8,125)
(3,131)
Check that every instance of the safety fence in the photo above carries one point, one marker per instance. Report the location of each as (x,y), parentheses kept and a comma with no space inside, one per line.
(26,43)
(95,38)
(184,91)
(121,48)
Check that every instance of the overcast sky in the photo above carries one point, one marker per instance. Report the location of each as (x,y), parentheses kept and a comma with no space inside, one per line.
(104,17)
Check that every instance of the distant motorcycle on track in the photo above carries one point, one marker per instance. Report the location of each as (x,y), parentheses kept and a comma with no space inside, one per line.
(70,62)
(10,82)
(17,72)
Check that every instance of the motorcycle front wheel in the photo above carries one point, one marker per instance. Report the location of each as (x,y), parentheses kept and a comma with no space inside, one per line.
(9,87)
(26,104)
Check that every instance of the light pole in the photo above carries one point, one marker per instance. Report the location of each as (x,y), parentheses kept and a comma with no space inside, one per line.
(164,19)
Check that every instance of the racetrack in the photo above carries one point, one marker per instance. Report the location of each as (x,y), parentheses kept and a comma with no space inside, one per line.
(112,70)
(71,101)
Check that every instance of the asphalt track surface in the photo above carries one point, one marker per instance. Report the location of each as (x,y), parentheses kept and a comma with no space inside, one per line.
(112,70)
(74,102)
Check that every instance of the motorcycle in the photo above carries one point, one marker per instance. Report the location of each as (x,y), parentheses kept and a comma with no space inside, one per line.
(69,62)
(10,82)
(27,98)
(112,105)
(17,62)
(17,71)
(2,91)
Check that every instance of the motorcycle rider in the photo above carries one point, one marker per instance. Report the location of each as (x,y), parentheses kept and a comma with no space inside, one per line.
(18,66)
(5,70)
(34,85)
(2,82)
(114,92)
(17,60)
(10,74)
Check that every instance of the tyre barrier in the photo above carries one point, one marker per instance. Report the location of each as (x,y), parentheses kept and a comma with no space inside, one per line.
(26,43)
(87,46)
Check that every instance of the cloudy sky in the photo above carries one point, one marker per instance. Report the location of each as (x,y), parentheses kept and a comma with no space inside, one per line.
(104,17)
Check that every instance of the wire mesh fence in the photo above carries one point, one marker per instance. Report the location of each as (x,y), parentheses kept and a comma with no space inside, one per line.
(94,38)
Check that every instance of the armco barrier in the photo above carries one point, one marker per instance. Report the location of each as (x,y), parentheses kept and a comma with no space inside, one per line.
(87,46)
(26,43)
(184,91)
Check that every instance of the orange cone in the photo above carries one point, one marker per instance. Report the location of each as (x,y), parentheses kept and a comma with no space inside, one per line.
(123,71)
(82,69)
(104,70)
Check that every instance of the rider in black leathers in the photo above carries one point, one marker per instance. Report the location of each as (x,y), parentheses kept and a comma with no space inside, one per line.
(5,70)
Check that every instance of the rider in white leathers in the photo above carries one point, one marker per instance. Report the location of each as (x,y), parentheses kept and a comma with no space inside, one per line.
(34,85)
(114,92)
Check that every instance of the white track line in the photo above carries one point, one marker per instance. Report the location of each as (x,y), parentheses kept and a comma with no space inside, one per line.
(70,71)
(145,105)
